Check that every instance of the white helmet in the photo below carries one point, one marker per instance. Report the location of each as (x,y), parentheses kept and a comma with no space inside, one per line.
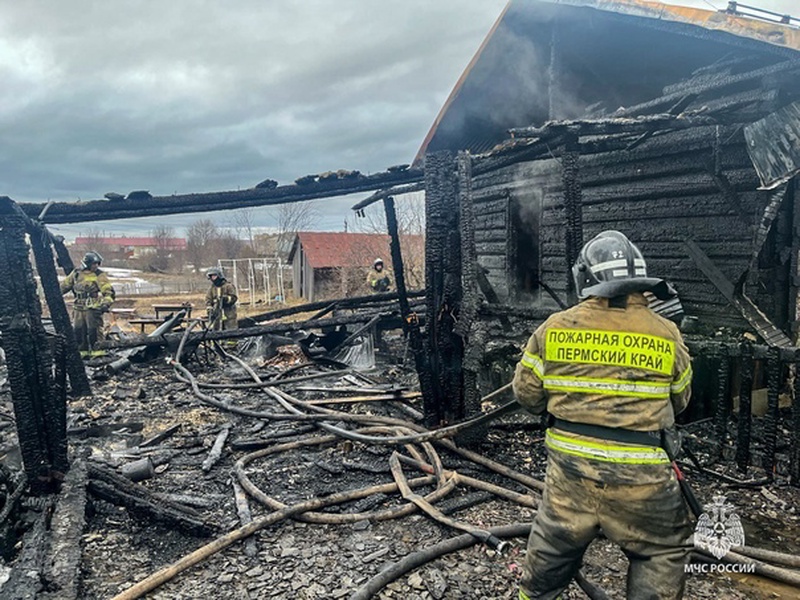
(609,265)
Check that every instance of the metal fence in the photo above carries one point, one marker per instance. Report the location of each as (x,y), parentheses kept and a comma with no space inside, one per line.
(258,280)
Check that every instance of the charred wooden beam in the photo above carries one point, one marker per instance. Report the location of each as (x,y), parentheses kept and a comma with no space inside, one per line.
(472,333)
(26,578)
(490,294)
(40,416)
(612,126)
(765,328)
(43,242)
(794,458)
(786,67)
(722,408)
(63,258)
(745,408)
(111,487)
(771,419)
(388,193)
(100,210)
(62,568)
(216,450)
(342,303)
(573,203)
(43,254)
(411,322)
(443,280)
(245,517)
(169,339)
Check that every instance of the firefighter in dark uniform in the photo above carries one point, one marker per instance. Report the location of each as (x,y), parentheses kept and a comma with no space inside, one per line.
(94,296)
(221,301)
(612,374)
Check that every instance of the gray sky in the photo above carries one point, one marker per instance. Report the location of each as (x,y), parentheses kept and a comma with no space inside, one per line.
(194,95)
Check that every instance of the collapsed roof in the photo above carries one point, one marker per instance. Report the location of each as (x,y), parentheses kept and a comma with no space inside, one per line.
(611,54)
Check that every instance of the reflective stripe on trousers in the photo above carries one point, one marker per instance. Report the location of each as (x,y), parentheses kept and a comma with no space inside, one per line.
(631,455)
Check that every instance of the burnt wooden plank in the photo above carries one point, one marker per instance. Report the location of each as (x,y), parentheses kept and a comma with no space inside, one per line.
(111,487)
(493,206)
(488,248)
(491,235)
(496,263)
(62,568)
(491,221)
(697,206)
(718,249)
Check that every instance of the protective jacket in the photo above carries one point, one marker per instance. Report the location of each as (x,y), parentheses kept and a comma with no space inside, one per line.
(92,289)
(223,297)
(615,367)
(379,281)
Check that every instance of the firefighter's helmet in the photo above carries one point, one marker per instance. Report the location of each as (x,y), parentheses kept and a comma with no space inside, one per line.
(91,258)
(611,265)
(215,271)
(378,261)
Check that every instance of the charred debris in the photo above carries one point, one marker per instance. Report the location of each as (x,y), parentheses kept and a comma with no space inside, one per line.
(701,175)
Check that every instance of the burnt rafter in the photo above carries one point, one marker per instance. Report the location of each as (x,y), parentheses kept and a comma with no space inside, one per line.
(313,189)
(389,193)
(787,68)
(612,126)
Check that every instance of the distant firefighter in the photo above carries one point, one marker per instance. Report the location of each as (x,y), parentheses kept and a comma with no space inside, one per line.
(221,301)
(94,296)
(379,279)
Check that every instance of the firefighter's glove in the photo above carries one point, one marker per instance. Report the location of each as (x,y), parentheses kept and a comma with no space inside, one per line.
(105,307)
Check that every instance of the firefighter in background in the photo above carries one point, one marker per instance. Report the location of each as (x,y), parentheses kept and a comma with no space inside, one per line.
(612,375)
(94,296)
(379,279)
(221,302)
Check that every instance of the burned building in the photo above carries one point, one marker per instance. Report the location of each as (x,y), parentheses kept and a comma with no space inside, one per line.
(676,126)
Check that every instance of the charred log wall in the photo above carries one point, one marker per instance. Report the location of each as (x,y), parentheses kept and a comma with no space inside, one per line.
(661,193)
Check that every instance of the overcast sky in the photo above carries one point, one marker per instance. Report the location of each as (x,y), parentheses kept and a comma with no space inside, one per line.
(198,95)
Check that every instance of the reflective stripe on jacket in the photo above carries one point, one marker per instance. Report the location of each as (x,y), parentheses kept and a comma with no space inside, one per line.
(92,289)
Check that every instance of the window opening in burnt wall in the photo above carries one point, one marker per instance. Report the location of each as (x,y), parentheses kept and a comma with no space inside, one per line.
(524,268)
(771,285)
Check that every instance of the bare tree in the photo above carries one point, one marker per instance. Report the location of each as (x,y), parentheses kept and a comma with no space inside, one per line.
(294,217)
(410,209)
(200,238)
(163,237)
(95,241)
(228,244)
(243,221)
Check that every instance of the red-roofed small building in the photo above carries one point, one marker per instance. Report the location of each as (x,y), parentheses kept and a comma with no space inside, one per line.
(336,263)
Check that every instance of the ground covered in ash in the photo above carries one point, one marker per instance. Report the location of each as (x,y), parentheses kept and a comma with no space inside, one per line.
(297,559)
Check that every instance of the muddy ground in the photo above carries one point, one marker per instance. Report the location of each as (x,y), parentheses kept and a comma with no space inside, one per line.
(294,559)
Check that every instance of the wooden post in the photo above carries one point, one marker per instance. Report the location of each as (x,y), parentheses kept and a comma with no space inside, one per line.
(411,326)
(40,413)
(43,254)
(574,211)
(443,283)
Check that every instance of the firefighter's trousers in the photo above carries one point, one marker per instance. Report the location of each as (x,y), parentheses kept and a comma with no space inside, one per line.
(649,522)
(87,324)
